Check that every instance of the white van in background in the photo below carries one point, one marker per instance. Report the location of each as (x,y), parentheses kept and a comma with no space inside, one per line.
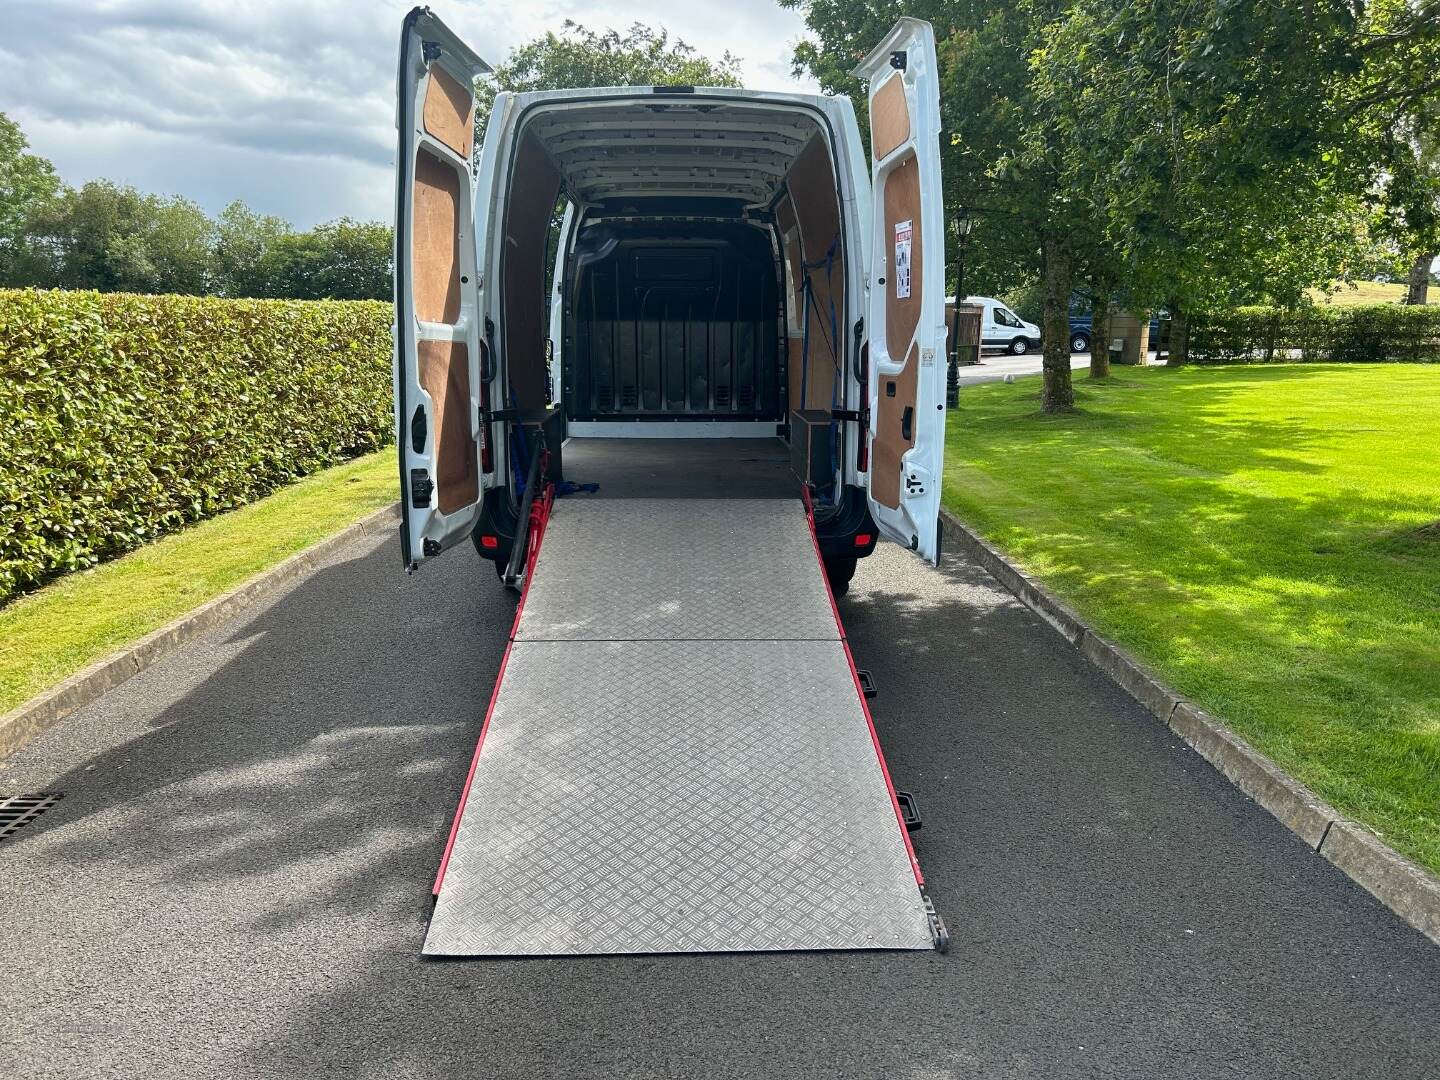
(1001,328)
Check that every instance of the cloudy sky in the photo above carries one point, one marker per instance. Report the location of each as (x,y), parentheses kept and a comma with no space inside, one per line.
(287,104)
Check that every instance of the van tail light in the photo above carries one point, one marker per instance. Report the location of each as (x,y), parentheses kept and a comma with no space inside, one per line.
(489,543)
(862,452)
(861,539)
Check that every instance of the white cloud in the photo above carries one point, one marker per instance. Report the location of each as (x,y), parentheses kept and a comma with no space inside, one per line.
(287,104)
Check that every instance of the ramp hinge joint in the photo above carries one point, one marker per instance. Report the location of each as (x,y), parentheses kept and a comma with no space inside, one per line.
(938,933)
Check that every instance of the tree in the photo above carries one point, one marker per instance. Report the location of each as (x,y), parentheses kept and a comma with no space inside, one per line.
(1182,154)
(1410,196)
(1003,160)
(1225,140)
(27,183)
(578,57)
(340,260)
(113,238)
(243,240)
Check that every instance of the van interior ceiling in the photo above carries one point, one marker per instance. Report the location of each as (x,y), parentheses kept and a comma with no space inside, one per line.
(704,281)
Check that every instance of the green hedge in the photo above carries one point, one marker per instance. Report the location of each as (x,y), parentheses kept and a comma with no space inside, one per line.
(124,417)
(1366,333)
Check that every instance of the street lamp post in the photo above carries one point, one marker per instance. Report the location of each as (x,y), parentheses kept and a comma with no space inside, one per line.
(963,224)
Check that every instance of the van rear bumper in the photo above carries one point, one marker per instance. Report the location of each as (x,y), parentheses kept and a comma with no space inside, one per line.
(494,535)
(845,531)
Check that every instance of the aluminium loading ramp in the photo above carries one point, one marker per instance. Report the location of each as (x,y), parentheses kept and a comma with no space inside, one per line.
(677,756)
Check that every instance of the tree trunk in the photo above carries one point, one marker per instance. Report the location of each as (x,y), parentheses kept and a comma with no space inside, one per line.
(1179,337)
(1058,394)
(1100,335)
(1418,289)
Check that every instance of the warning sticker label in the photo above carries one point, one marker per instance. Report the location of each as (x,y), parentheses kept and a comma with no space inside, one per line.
(902,260)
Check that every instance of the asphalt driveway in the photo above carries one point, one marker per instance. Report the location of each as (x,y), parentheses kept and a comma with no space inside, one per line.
(237,880)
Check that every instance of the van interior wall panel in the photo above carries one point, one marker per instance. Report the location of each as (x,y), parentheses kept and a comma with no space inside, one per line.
(675,322)
(785,215)
(902,317)
(435,248)
(449,112)
(445,375)
(815,203)
(530,207)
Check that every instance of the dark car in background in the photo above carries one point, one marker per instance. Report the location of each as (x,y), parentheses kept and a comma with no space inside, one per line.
(1081,333)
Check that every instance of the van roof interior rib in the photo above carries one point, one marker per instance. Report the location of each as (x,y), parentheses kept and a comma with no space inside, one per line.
(710,148)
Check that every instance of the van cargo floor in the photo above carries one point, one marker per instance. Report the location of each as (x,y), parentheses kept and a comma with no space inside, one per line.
(682,468)
(677,758)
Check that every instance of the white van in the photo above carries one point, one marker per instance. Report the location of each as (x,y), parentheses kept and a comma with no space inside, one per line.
(730,265)
(711,303)
(1001,328)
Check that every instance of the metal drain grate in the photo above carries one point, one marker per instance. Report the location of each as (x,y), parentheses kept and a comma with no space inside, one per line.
(17,811)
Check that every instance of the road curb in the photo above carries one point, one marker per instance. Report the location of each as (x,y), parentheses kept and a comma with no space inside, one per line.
(1406,888)
(23,723)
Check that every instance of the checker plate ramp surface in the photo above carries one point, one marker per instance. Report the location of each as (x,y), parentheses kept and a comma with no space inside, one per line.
(645,788)
(667,569)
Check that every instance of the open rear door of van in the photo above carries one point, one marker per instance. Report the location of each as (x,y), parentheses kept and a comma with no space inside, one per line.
(906,306)
(438,358)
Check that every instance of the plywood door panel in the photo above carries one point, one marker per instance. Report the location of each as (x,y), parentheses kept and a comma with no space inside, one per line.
(902,203)
(445,376)
(890,444)
(449,111)
(889,117)
(435,250)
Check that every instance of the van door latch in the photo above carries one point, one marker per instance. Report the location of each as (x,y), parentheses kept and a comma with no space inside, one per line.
(917,481)
(421,488)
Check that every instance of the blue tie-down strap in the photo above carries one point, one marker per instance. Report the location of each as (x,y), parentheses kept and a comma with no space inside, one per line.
(570,487)
(522,456)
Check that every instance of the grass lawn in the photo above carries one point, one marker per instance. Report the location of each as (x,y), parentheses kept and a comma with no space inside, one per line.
(1369,292)
(78,619)
(1266,538)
